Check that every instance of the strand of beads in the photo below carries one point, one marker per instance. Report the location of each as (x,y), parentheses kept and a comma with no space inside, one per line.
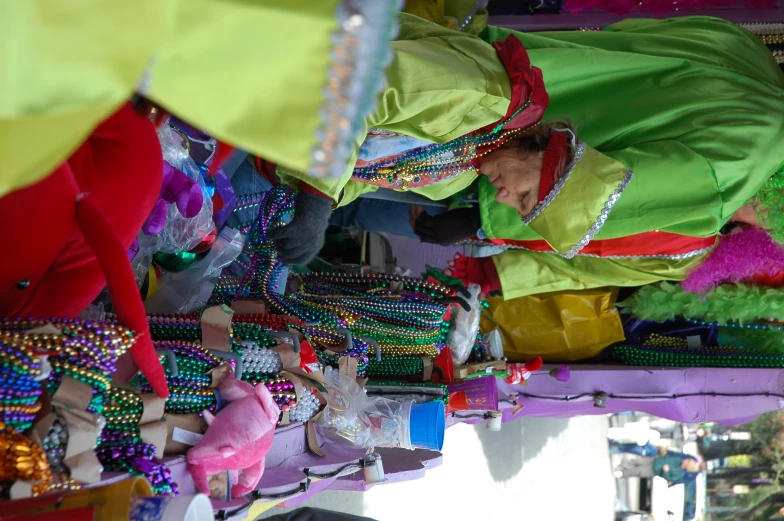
(306,407)
(282,391)
(121,448)
(84,350)
(259,360)
(175,326)
(253,344)
(96,344)
(358,349)
(437,161)
(704,357)
(55,443)
(259,258)
(769,326)
(657,340)
(19,390)
(189,391)
(23,460)
(405,321)
(395,366)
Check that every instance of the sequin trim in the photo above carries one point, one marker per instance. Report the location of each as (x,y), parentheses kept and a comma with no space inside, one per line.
(596,226)
(360,53)
(544,203)
(478,6)
(485,250)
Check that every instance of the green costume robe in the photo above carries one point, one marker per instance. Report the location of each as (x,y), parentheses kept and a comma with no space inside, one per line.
(260,75)
(693,106)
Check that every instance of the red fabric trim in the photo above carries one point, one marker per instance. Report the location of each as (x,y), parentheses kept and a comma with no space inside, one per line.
(526,82)
(305,187)
(640,245)
(266,170)
(556,150)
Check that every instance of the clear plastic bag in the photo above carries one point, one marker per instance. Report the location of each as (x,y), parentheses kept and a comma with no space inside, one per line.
(190,289)
(352,417)
(148,245)
(465,326)
(181,233)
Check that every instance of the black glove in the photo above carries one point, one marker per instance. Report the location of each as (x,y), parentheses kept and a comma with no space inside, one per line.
(449,227)
(300,240)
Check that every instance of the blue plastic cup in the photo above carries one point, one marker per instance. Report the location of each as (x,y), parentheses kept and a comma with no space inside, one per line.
(427,425)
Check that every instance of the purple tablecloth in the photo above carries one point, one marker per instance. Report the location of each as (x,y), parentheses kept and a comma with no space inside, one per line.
(727,396)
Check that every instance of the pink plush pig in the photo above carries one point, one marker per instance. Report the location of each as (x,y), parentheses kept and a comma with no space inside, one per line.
(237,438)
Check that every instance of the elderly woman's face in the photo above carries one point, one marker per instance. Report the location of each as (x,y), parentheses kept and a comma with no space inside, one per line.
(515,175)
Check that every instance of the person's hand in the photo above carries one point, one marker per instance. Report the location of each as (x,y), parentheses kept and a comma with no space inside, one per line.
(666,468)
(446,228)
(299,241)
(476,271)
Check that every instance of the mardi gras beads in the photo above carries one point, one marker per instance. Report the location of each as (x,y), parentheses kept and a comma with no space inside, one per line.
(703,357)
(306,407)
(189,391)
(403,321)
(358,350)
(121,448)
(95,345)
(760,326)
(175,326)
(257,359)
(437,161)
(84,350)
(23,460)
(19,390)
(395,366)
(657,340)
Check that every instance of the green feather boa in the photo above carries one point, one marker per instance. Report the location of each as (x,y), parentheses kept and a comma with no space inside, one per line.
(770,204)
(728,303)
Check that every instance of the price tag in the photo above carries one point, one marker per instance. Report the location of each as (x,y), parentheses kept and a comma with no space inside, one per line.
(186,437)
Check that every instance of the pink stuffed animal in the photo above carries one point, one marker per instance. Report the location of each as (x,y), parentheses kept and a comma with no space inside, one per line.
(237,438)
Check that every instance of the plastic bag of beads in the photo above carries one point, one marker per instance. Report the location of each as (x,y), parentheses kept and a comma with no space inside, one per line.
(465,326)
(190,289)
(352,417)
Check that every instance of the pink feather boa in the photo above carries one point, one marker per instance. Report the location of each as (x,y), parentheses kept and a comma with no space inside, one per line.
(738,257)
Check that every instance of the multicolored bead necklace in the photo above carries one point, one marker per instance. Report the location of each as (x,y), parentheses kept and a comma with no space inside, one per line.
(84,350)
(189,391)
(406,321)
(359,350)
(437,162)
(19,390)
